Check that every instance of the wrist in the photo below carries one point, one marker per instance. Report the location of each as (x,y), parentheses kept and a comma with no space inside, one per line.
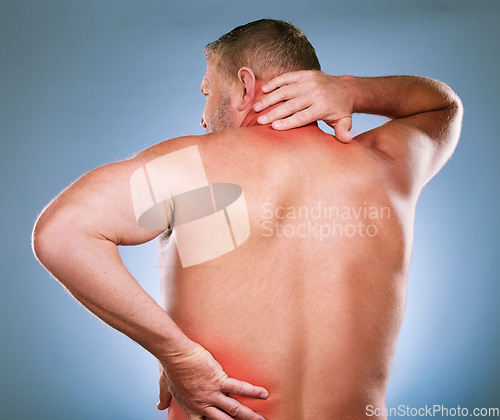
(175,345)
(353,94)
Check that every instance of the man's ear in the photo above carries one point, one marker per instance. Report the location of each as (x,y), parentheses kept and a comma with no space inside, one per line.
(247,78)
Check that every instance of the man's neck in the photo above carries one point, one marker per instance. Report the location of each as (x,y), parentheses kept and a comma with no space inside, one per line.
(250,119)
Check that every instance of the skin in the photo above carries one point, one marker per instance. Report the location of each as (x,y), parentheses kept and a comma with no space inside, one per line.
(359,319)
(312,322)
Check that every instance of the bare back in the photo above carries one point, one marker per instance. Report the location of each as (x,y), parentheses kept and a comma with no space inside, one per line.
(310,305)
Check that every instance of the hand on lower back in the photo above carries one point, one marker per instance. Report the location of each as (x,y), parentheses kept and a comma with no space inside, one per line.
(200,386)
(307,96)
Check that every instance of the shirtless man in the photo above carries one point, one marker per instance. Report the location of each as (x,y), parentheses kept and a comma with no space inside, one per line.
(283,296)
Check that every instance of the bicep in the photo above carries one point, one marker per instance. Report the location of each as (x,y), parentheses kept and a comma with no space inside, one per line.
(418,146)
(100,203)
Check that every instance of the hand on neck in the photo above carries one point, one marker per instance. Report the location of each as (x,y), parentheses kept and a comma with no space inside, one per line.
(253,93)
(250,118)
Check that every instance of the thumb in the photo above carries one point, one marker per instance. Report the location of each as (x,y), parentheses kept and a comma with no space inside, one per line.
(342,128)
(165,398)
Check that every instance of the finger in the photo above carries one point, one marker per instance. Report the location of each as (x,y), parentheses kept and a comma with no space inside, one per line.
(212,413)
(165,398)
(283,79)
(342,128)
(237,410)
(298,119)
(236,387)
(164,395)
(284,93)
(287,109)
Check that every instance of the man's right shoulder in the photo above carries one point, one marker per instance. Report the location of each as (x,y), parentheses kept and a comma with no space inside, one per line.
(169,146)
(202,140)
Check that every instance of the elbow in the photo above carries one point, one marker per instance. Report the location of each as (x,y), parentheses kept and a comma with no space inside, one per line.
(457,106)
(50,236)
(455,112)
(41,238)
(457,116)
(454,102)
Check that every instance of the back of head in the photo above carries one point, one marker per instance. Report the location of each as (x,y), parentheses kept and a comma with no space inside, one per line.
(269,47)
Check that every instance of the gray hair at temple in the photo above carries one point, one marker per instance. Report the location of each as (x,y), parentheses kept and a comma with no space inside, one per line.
(269,47)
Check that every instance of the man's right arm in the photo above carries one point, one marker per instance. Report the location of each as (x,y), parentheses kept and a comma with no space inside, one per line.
(425,120)
(425,115)
(76,239)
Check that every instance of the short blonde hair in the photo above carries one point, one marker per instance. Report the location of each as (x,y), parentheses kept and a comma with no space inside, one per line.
(269,47)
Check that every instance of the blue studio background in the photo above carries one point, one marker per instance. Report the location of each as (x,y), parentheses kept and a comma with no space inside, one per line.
(84,83)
